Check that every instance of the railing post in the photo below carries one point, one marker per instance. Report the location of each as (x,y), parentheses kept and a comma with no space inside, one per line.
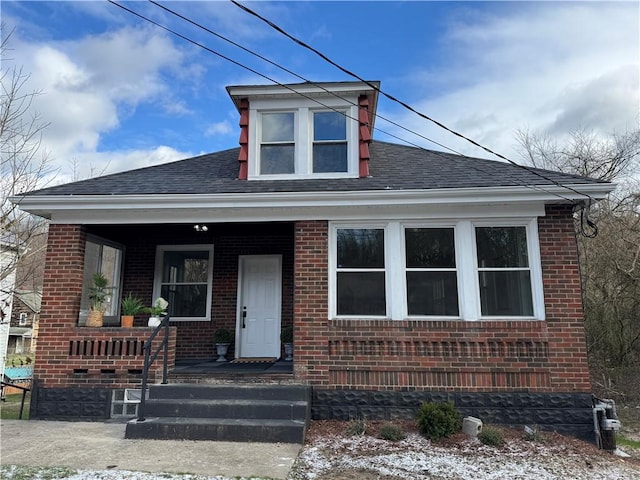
(148,360)
(165,342)
(143,387)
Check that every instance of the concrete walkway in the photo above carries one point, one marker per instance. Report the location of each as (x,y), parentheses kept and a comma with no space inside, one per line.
(102,446)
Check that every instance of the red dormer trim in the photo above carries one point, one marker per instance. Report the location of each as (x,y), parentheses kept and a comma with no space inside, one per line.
(364,135)
(243,156)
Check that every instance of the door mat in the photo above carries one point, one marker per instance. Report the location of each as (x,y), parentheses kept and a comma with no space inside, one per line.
(255,360)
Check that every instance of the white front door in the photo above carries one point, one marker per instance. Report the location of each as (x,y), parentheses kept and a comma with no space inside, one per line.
(259,305)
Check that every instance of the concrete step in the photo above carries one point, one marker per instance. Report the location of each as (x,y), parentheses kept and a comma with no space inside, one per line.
(221,429)
(234,408)
(226,412)
(230,391)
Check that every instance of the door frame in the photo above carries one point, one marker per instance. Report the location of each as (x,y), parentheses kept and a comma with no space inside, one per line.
(242,259)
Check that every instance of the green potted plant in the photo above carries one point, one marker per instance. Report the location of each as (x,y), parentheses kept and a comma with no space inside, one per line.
(158,309)
(222,338)
(99,295)
(286,337)
(130,307)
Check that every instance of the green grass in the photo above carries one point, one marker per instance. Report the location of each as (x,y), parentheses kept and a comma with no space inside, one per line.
(10,408)
(621,440)
(16,358)
(18,472)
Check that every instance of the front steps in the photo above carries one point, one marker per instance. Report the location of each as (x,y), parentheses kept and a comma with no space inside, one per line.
(227,412)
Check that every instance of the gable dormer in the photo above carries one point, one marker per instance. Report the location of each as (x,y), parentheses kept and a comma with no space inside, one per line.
(305,130)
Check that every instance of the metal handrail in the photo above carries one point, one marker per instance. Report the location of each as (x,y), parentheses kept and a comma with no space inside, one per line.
(149,359)
(24,393)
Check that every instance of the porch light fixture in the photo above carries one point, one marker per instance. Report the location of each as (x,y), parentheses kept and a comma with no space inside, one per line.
(200,228)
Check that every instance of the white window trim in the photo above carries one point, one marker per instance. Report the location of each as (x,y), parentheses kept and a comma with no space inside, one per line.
(466,267)
(403,294)
(157,278)
(333,256)
(303,110)
(22,318)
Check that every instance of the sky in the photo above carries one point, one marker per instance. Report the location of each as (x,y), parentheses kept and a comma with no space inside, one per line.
(120,93)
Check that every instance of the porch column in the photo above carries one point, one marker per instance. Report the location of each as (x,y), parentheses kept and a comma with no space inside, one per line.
(310,303)
(62,289)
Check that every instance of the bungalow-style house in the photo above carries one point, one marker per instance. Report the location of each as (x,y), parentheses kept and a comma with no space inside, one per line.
(406,274)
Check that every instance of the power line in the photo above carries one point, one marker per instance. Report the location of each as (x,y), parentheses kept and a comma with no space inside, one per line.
(224,57)
(271,62)
(300,77)
(394,99)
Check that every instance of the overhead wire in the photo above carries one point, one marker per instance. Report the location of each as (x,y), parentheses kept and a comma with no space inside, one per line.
(285,69)
(224,57)
(400,102)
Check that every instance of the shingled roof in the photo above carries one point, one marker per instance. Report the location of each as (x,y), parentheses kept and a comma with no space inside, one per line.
(392,167)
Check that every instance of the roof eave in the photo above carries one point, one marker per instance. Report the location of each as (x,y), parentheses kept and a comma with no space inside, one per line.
(141,207)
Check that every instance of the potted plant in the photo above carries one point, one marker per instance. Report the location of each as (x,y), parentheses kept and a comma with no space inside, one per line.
(99,295)
(222,338)
(130,307)
(159,308)
(286,337)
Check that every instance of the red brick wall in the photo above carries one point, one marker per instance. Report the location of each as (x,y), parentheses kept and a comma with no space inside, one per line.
(69,355)
(444,355)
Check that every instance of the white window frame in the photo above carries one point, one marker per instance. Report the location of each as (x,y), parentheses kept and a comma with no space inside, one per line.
(303,135)
(22,318)
(466,267)
(403,228)
(535,267)
(333,264)
(157,279)
(261,142)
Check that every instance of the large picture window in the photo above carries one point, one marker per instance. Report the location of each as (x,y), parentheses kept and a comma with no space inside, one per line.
(184,277)
(106,257)
(454,269)
(360,272)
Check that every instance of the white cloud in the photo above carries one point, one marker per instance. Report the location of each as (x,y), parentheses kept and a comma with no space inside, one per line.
(220,128)
(543,67)
(89,85)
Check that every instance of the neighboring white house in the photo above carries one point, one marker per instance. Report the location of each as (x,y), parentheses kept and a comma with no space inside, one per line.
(7,284)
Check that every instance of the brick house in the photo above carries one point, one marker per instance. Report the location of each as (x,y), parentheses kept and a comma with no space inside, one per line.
(407,274)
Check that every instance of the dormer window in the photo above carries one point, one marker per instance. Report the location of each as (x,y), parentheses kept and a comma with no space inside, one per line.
(277,148)
(305,130)
(329,142)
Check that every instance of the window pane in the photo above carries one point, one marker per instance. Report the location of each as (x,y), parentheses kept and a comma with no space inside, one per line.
(329,157)
(329,126)
(432,293)
(111,261)
(502,247)
(276,159)
(277,127)
(185,267)
(360,248)
(430,248)
(361,293)
(506,293)
(186,300)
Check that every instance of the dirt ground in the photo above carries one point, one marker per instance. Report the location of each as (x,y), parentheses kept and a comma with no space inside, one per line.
(330,454)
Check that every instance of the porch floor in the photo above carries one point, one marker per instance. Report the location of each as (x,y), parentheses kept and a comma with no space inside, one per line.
(213,368)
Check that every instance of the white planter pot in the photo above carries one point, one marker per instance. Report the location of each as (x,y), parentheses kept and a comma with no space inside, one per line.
(154,321)
(221,351)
